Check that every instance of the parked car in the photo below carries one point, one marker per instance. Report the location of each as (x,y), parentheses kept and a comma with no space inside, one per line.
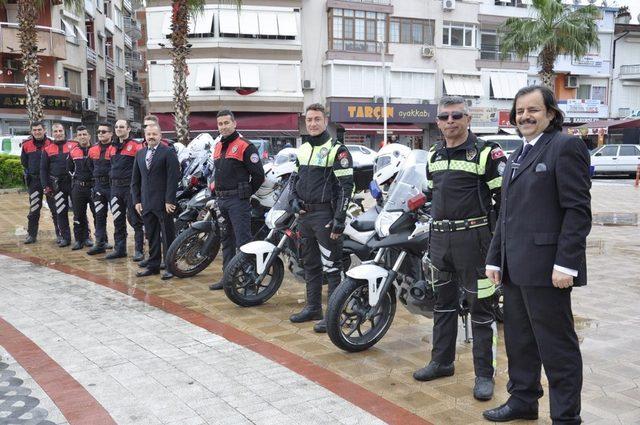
(616,159)
(363,159)
(508,143)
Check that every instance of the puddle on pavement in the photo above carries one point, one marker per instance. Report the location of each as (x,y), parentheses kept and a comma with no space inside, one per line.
(615,219)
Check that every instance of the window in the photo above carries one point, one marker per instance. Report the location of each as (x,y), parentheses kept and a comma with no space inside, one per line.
(609,151)
(118,18)
(119,57)
(101,44)
(120,97)
(629,151)
(411,31)
(106,5)
(70,31)
(584,91)
(512,3)
(356,30)
(103,91)
(458,34)
(599,93)
(72,80)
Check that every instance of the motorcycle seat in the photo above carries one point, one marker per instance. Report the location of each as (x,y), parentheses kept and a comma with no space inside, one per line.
(366,221)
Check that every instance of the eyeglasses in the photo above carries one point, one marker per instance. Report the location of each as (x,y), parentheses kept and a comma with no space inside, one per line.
(103,131)
(457,115)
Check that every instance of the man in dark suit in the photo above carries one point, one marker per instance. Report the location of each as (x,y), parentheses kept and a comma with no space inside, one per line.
(538,252)
(154,183)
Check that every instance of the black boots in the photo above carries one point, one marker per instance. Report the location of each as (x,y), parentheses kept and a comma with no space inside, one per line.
(483,389)
(78,245)
(29,240)
(307,314)
(98,248)
(137,256)
(433,371)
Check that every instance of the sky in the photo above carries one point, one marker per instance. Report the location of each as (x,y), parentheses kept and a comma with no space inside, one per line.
(634,8)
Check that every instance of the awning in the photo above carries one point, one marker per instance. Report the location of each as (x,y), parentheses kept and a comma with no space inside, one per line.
(268,24)
(249,23)
(463,85)
(613,124)
(250,124)
(229,21)
(287,24)
(202,22)
(229,75)
(203,74)
(361,128)
(505,85)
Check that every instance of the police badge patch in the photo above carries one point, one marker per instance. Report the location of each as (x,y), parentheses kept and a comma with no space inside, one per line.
(344,162)
(129,147)
(254,158)
(501,168)
(471,153)
(323,152)
(234,150)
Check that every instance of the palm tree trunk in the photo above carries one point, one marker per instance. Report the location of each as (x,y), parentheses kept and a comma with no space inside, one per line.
(28,37)
(547,75)
(179,53)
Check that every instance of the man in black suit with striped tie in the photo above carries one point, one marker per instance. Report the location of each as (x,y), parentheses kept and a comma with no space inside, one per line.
(154,183)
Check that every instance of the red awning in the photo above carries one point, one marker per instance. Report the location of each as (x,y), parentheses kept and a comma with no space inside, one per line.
(247,121)
(361,128)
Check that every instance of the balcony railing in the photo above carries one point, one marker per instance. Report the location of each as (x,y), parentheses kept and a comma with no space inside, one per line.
(51,41)
(133,59)
(92,56)
(128,113)
(109,66)
(127,41)
(128,78)
(132,28)
(492,52)
(512,3)
(127,5)
(630,69)
(135,90)
(111,108)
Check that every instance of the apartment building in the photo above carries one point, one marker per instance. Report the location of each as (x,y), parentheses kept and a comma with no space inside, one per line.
(625,90)
(246,60)
(88,66)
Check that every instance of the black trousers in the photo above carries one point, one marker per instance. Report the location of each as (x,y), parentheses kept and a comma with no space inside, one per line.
(320,253)
(123,210)
(237,215)
(61,198)
(539,331)
(100,198)
(160,232)
(35,206)
(462,254)
(80,200)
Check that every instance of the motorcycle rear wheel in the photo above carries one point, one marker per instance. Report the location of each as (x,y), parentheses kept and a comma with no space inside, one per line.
(346,316)
(183,256)
(240,277)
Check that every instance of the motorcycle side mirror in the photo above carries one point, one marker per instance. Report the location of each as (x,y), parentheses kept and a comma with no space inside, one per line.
(375,190)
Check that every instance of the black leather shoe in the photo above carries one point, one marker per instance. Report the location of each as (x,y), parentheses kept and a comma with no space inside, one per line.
(88,242)
(320,327)
(115,254)
(166,275)
(64,243)
(143,263)
(307,314)
(483,389)
(216,286)
(162,266)
(58,239)
(147,272)
(29,240)
(506,413)
(433,371)
(108,246)
(97,249)
(137,256)
(76,246)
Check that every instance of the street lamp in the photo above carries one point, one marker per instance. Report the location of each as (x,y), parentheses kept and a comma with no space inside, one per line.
(384,90)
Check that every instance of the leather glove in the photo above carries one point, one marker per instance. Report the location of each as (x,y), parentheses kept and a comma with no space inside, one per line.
(296,206)
(338,227)
(48,191)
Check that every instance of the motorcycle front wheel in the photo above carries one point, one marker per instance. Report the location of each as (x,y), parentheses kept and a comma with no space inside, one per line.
(241,280)
(352,324)
(184,256)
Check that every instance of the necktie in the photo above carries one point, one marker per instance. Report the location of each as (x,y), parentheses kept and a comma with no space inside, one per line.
(525,151)
(149,157)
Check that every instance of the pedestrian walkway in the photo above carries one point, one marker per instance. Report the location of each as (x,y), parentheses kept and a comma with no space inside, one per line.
(146,366)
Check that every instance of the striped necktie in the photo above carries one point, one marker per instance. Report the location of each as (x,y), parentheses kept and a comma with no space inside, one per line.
(149,157)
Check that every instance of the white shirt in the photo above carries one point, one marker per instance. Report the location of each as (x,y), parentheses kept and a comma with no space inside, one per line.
(561,269)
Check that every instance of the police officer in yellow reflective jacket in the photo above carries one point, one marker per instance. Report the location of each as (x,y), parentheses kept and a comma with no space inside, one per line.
(464,175)
(322,188)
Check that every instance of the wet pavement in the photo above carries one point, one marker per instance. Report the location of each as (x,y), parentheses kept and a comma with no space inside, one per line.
(607,319)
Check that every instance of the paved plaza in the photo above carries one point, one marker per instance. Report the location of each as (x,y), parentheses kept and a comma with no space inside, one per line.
(83,341)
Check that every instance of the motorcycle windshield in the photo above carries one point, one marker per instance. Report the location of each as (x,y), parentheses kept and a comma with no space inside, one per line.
(281,210)
(410,181)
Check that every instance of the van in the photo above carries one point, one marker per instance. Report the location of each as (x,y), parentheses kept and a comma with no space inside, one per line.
(508,143)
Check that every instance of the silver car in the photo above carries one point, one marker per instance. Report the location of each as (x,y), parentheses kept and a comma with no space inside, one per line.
(616,159)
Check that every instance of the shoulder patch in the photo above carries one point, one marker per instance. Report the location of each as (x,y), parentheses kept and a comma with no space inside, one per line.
(344,162)
(497,153)
(254,158)
(343,154)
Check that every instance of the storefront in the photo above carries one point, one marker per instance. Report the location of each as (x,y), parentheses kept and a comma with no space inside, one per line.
(597,133)
(362,123)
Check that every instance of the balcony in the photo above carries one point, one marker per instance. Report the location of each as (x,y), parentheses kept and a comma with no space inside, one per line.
(133,59)
(128,78)
(127,5)
(491,57)
(51,41)
(128,113)
(109,66)
(630,72)
(111,108)
(132,28)
(135,91)
(127,42)
(92,56)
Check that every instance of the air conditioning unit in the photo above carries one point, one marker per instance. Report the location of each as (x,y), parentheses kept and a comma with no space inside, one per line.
(571,82)
(13,64)
(90,104)
(428,51)
(308,84)
(448,4)
(425,101)
(378,99)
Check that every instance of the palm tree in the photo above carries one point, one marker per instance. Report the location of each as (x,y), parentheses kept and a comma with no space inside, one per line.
(555,29)
(28,12)
(181,12)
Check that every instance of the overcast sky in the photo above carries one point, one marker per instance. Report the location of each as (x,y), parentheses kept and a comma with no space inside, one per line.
(634,8)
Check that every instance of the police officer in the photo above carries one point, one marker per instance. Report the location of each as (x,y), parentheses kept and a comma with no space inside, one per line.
(56,180)
(100,164)
(81,183)
(464,175)
(239,174)
(30,157)
(122,153)
(323,185)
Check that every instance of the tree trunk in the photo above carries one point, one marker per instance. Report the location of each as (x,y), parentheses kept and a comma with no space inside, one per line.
(179,54)
(547,75)
(28,37)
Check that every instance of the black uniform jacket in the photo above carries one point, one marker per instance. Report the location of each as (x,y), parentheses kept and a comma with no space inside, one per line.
(545,215)
(156,186)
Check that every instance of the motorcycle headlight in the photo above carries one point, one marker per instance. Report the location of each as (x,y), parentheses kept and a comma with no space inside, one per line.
(384,222)
(272,218)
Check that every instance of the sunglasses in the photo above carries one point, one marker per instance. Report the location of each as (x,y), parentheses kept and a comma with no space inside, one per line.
(457,115)
(103,131)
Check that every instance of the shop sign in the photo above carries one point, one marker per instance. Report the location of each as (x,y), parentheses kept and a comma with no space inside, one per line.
(484,117)
(398,113)
(55,103)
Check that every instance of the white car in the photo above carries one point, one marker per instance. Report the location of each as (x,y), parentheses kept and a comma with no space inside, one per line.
(507,143)
(362,156)
(616,159)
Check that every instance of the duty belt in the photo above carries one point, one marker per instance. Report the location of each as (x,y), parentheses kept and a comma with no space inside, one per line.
(226,193)
(83,183)
(316,207)
(120,182)
(456,225)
